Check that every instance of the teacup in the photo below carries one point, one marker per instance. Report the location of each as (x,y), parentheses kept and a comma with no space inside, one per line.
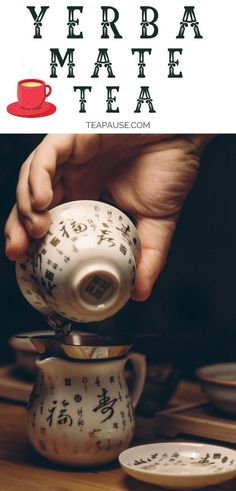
(84,268)
(31,93)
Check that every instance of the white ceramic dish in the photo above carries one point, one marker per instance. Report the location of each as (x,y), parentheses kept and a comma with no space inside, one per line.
(25,352)
(219,384)
(180,465)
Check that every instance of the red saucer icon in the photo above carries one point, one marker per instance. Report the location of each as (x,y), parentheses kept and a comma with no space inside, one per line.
(45,110)
(31,95)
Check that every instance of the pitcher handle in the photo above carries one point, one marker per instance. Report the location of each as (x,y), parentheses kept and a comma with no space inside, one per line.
(139,365)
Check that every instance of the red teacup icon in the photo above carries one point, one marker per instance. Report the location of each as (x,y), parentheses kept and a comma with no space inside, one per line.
(31,94)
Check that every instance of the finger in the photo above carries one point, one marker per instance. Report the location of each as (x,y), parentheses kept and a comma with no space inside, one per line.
(155,236)
(36,223)
(22,188)
(16,237)
(148,270)
(71,150)
(58,195)
(52,151)
(35,177)
(40,185)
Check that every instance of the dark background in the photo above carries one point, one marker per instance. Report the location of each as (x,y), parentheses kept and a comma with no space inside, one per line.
(193,303)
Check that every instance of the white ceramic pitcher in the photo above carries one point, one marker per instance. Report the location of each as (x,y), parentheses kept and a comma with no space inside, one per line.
(80,412)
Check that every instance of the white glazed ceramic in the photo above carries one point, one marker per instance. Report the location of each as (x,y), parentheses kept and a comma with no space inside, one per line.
(84,267)
(180,465)
(219,384)
(80,413)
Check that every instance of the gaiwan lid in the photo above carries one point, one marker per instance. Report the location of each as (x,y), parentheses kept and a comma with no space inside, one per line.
(81,346)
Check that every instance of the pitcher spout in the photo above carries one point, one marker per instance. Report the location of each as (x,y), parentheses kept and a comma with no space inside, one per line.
(50,365)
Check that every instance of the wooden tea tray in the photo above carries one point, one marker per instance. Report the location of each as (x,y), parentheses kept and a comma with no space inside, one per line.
(13,385)
(196,419)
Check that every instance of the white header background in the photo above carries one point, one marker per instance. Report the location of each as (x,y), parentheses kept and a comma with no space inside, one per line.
(204,100)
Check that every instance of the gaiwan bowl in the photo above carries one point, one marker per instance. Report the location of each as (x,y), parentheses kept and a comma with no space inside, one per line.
(218,382)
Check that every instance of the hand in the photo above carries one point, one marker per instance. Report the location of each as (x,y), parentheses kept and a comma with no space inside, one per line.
(147,176)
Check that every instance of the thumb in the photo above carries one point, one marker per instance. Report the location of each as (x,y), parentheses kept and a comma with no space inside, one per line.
(155,236)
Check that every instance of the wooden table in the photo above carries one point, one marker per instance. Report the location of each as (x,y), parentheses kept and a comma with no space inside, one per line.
(21,469)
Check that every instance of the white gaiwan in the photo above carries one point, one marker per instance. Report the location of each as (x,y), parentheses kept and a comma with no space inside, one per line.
(84,267)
